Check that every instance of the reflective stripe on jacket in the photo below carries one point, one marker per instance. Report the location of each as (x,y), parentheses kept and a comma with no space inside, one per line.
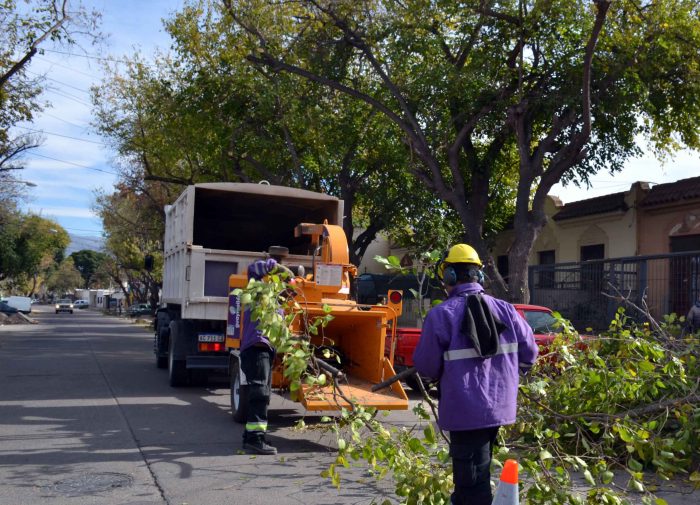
(475,392)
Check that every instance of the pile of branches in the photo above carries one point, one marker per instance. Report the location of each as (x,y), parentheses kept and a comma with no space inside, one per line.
(620,410)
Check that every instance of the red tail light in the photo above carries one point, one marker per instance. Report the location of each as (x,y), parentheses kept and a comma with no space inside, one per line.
(211,347)
(395,297)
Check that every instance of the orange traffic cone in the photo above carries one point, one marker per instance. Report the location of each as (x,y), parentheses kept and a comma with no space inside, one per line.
(507,490)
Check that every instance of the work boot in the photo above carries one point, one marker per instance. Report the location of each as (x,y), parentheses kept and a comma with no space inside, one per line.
(258,445)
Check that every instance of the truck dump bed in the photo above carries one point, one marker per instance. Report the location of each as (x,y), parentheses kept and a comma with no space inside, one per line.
(214,230)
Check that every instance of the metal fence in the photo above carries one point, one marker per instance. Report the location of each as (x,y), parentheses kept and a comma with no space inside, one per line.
(667,283)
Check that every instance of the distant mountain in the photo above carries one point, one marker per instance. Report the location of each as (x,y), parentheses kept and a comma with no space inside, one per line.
(80,242)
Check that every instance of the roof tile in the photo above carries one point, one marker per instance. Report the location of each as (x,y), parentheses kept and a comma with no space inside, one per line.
(685,189)
(591,206)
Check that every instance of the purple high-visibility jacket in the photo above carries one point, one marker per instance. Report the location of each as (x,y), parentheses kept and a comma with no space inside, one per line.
(475,392)
(252,336)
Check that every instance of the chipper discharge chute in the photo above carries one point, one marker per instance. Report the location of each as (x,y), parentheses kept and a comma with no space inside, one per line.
(356,334)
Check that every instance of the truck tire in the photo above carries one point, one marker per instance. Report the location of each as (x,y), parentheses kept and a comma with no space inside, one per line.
(177,368)
(161,347)
(239,393)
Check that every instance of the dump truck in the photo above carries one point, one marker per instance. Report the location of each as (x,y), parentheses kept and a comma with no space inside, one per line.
(213,232)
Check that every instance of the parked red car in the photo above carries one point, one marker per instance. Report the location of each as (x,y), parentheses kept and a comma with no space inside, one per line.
(544,326)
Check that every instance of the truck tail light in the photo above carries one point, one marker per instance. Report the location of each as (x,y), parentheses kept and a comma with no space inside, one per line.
(211,347)
(395,297)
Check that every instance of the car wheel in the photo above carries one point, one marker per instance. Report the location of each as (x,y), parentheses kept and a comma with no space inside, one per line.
(56,312)
(239,394)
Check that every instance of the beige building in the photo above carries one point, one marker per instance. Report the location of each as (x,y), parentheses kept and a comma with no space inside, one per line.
(638,222)
(596,228)
(638,230)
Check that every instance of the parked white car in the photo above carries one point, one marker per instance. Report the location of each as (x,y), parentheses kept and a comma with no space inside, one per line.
(81,304)
(64,305)
(21,303)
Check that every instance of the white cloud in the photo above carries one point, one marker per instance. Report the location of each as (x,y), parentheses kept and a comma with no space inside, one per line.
(58,211)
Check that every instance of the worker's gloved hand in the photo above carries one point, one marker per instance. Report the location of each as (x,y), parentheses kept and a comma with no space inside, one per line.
(261,268)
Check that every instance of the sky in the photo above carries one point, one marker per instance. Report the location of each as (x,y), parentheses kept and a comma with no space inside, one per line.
(73,161)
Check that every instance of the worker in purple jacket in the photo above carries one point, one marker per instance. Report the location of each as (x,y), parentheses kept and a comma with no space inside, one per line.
(476,345)
(257,355)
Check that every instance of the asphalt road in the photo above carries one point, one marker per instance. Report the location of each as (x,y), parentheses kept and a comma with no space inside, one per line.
(87,418)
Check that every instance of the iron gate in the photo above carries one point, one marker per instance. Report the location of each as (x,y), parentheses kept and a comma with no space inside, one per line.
(666,283)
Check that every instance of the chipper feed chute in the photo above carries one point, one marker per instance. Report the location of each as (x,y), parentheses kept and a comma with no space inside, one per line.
(357,334)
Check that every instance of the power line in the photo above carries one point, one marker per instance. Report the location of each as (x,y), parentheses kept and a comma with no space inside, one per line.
(63,94)
(67,122)
(64,136)
(88,56)
(54,88)
(59,82)
(68,68)
(71,163)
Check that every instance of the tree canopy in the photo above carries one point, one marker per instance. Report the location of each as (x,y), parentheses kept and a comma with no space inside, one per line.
(30,247)
(25,28)
(88,263)
(568,86)
(203,113)
(132,221)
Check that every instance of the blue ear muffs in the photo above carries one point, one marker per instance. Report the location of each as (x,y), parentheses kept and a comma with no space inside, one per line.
(478,273)
(449,275)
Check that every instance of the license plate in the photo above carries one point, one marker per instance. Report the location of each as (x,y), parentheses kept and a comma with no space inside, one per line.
(210,337)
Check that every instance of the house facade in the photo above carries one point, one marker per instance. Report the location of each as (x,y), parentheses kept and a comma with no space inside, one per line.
(597,228)
(635,244)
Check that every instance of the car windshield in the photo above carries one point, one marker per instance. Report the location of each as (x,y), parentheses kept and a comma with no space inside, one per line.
(542,322)
(64,301)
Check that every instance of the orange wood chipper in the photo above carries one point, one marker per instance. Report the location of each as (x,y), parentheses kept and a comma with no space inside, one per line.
(357,333)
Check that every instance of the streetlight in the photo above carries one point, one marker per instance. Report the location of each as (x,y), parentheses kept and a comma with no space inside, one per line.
(16,181)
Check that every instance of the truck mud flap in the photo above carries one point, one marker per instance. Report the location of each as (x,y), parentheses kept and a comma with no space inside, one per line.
(358,390)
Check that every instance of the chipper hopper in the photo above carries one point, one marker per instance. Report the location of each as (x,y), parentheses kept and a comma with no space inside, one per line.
(357,333)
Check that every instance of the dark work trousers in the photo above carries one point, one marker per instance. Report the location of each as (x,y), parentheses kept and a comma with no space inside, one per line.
(256,363)
(471,465)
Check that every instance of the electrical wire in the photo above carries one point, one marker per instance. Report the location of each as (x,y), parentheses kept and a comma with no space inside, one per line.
(88,56)
(51,62)
(71,163)
(87,92)
(60,135)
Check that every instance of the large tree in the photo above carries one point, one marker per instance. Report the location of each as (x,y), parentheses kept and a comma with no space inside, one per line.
(132,221)
(65,279)
(31,246)
(570,85)
(206,114)
(25,29)
(88,263)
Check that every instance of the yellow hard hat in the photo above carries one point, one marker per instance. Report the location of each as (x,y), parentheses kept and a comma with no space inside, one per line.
(462,253)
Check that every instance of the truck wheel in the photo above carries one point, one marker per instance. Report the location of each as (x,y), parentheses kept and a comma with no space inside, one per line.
(161,349)
(177,369)
(239,394)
